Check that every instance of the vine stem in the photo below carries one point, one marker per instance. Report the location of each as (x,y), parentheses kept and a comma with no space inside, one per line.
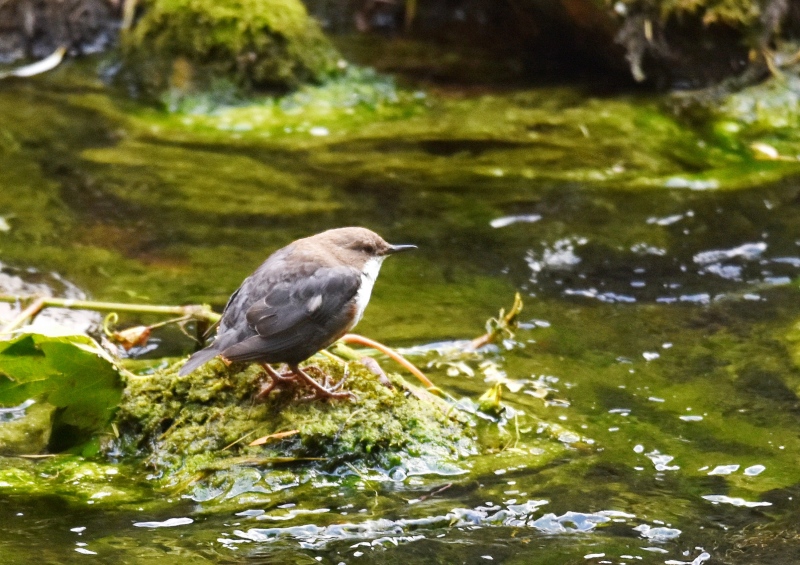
(199,312)
(391,353)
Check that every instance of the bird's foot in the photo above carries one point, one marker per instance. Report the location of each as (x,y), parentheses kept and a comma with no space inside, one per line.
(297,376)
(276,380)
(326,378)
(265,389)
(322,390)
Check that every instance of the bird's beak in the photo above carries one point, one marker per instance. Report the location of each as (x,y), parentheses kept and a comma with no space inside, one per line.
(398,248)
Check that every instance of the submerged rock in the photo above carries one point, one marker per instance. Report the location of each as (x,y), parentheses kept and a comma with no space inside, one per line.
(189,427)
(190,45)
(25,429)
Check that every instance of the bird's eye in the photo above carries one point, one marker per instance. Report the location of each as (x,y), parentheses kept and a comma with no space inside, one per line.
(369,249)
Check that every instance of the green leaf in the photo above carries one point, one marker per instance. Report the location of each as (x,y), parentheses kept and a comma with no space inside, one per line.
(72,373)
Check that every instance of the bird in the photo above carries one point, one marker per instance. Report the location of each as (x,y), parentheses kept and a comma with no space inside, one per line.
(302,299)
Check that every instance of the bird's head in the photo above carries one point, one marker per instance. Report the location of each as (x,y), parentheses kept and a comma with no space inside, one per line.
(358,246)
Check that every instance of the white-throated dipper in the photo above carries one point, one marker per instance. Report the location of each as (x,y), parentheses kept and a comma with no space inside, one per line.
(302,299)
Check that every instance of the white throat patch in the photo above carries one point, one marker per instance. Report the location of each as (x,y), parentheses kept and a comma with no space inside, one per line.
(368,276)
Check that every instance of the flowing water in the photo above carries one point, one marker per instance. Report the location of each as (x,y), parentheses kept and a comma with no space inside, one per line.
(659,347)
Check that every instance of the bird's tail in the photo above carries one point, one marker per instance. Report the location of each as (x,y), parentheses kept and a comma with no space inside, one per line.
(197,359)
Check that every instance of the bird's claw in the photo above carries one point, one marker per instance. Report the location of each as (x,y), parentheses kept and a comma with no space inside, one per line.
(284,377)
(265,389)
(297,376)
(320,390)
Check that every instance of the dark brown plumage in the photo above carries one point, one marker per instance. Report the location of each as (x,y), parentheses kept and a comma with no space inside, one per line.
(303,298)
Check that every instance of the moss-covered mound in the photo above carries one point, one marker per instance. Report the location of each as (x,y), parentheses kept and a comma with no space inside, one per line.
(205,421)
(191,45)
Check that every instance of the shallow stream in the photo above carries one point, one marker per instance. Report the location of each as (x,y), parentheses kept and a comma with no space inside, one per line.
(660,341)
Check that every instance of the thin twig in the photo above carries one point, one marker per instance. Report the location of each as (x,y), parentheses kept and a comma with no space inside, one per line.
(434,492)
(202,312)
(128,13)
(333,357)
(277,435)
(34,308)
(392,354)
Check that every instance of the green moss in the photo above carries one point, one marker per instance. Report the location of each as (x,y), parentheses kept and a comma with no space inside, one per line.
(185,44)
(203,422)
(759,123)
(731,12)
(29,433)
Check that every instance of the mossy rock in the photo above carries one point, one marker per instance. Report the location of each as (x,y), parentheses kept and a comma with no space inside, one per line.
(29,431)
(193,45)
(202,423)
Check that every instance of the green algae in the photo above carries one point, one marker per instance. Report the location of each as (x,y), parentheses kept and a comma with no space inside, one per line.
(148,201)
(355,97)
(416,178)
(793,345)
(204,422)
(74,479)
(190,45)
(769,111)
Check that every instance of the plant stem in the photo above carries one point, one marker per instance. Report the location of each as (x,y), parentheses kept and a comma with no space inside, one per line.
(392,354)
(199,312)
(34,308)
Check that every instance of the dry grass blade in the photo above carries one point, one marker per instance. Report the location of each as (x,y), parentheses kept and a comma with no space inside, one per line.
(270,437)
(47,64)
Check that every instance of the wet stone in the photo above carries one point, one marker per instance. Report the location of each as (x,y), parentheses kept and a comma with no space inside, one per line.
(201,425)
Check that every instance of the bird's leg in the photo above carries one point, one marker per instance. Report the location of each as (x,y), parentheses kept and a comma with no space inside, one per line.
(326,378)
(296,376)
(339,385)
(265,389)
(319,390)
(275,379)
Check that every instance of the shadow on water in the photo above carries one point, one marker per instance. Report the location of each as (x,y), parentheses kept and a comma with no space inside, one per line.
(658,328)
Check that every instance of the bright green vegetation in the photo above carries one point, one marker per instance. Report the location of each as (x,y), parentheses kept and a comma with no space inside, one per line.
(193,45)
(75,386)
(768,112)
(149,201)
(73,479)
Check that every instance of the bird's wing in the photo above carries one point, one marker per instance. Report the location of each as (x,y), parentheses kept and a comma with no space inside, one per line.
(297,311)
(310,300)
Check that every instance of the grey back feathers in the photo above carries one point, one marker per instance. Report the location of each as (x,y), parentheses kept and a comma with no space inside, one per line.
(301,299)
